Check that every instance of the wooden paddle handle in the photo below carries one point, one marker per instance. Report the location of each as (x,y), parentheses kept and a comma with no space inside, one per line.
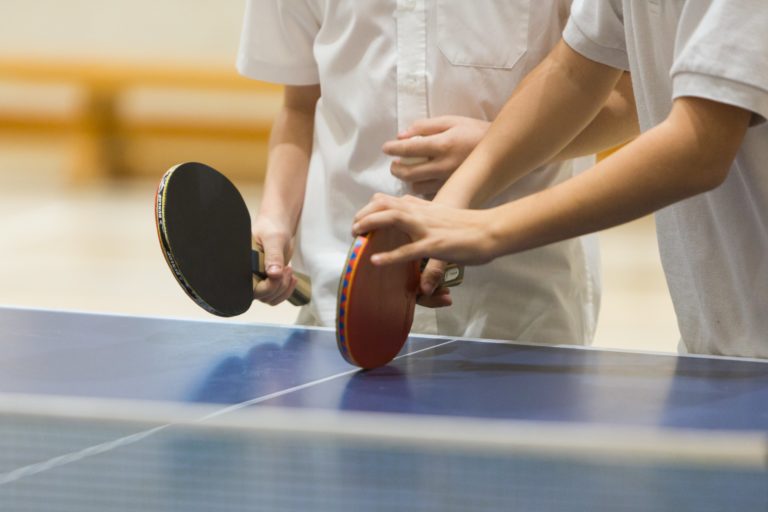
(301,295)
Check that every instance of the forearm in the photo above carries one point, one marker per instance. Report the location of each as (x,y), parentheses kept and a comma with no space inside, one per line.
(290,149)
(688,154)
(547,111)
(614,125)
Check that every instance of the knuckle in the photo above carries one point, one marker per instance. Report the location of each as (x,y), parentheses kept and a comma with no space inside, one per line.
(433,275)
(378,200)
(451,164)
(404,173)
(442,145)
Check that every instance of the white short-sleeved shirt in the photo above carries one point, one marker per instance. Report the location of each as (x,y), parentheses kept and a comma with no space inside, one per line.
(381,65)
(714,246)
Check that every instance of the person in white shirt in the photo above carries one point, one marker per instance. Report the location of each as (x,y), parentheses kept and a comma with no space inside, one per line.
(700,76)
(363,78)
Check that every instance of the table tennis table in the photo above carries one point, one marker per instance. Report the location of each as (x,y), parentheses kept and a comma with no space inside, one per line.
(121,413)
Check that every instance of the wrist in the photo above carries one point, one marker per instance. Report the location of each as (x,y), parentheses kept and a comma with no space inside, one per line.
(454,198)
(278,212)
(494,233)
(273,223)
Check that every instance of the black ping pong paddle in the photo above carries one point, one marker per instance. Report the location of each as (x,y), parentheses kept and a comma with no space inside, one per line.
(205,235)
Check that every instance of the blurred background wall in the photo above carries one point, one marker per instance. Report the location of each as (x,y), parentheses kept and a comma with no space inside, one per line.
(97,99)
(130,86)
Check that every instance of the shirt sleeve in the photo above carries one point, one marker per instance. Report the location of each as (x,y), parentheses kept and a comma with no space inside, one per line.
(277,42)
(721,54)
(596,31)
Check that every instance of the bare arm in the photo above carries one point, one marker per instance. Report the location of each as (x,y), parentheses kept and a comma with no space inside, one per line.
(689,153)
(290,149)
(614,125)
(554,103)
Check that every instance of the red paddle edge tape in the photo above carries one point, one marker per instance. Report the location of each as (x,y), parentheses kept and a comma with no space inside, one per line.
(165,245)
(348,276)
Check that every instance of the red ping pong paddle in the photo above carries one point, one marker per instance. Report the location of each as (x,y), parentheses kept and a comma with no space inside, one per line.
(205,235)
(376,304)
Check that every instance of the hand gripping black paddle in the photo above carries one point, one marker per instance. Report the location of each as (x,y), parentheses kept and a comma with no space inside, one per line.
(205,235)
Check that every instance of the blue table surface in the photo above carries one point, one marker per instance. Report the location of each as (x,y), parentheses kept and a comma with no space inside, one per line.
(121,357)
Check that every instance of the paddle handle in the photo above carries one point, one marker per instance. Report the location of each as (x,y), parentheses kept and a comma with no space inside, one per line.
(454,274)
(301,295)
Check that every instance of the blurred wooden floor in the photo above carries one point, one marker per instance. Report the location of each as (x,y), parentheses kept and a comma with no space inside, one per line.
(95,248)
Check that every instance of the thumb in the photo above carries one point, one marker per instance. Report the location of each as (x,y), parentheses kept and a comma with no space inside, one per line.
(432,276)
(274,256)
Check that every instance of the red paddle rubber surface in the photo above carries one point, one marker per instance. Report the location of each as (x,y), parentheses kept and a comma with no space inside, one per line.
(375,303)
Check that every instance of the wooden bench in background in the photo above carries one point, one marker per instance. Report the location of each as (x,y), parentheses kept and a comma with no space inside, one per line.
(108,141)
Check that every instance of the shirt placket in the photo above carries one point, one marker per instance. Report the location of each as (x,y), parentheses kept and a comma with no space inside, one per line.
(411,62)
(412,93)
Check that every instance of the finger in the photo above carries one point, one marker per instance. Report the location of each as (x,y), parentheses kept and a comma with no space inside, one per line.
(394,212)
(379,202)
(440,299)
(431,170)
(413,147)
(265,290)
(428,126)
(274,255)
(432,276)
(273,287)
(393,217)
(412,160)
(407,252)
(290,286)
